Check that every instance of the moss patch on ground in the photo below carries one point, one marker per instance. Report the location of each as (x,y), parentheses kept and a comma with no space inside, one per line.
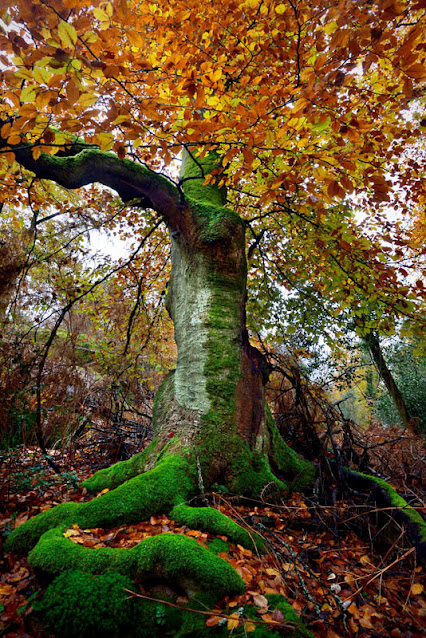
(76,604)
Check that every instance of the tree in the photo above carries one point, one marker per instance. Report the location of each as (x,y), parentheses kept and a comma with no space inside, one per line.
(406,364)
(280,110)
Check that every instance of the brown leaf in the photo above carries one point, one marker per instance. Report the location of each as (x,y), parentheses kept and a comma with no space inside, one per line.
(260,601)
(277,615)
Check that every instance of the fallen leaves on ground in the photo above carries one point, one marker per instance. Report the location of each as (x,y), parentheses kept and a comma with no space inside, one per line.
(338,585)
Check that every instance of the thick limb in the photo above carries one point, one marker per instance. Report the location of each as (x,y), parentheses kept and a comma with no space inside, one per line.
(177,559)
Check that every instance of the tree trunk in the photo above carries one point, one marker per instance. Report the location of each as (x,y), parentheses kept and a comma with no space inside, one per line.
(214,402)
(373,345)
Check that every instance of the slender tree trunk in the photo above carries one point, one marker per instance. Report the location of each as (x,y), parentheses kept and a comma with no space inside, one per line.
(373,345)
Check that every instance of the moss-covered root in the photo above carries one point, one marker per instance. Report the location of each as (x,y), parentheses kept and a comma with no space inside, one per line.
(168,484)
(115,475)
(193,625)
(385,493)
(78,605)
(211,520)
(301,473)
(176,558)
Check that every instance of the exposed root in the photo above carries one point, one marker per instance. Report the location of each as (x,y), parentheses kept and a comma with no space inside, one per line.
(169,483)
(211,520)
(175,558)
(169,558)
(384,493)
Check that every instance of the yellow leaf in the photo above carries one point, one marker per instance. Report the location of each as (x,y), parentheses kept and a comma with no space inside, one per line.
(331,27)
(272,572)
(233,622)
(101,15)
(41,75)
(28,94)
(67,33)
(90,37)
(280,9)
(87,99)
(216,75)
(416,589)
(71,532)
(249,626)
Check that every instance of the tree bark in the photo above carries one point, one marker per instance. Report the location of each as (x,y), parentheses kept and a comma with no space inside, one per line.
(216,395)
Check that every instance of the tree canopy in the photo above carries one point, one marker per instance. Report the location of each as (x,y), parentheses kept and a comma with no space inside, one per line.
(314,109)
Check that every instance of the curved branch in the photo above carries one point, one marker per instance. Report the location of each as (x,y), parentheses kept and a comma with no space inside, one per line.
(88,165)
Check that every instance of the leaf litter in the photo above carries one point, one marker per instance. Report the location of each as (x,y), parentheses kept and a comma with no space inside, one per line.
(338,586)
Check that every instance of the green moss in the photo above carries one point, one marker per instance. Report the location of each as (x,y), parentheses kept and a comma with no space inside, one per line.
(397,501)
(211,520)
(113,476)
(252,475)
(214,223)
(193,626)
(218,546)
(174,557)
(76,604)
(169,483)
(193,174)
(276,601)
(303,472)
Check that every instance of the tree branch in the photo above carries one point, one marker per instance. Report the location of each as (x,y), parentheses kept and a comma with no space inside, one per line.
(79,166)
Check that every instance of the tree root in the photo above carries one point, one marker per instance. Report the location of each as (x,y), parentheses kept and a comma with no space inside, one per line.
(175,558)
(170,558)
(385,494)
(211,520)
(169,483)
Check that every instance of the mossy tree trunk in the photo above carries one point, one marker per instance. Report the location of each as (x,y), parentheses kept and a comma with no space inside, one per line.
(212,408)
(214,402)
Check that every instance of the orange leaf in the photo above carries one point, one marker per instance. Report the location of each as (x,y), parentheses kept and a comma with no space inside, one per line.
(213,621)
(416,589)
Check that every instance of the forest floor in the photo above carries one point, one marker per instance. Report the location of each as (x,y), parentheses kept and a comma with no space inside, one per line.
(333,578)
